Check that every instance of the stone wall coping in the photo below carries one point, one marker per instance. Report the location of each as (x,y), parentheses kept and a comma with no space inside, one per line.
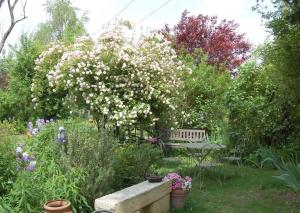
(134,197)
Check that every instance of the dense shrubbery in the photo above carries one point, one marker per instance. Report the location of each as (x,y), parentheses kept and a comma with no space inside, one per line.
(15,103)
(121,81)
(7,159)
(131,163)
(135,83)
(92,166)
(205,89)
(18,65)
(48,181)
(258,113)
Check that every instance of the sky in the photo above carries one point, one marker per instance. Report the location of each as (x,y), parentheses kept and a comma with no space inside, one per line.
(102,11)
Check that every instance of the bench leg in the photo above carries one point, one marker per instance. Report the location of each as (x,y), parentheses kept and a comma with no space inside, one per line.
(160,206)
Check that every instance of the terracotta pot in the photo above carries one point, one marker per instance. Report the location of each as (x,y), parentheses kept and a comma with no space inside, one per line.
(178,197)
(57,206)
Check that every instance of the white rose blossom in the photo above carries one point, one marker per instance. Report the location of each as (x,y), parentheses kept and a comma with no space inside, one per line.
(124,79)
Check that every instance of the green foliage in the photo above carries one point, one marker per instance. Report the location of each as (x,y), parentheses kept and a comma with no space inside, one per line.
(7,158)
(257,111)
(290,170)
(15,103)
(258,158)
(132,163)
(51,180)
(90,149)
(63,23)
(290,175)
(282,61)
(281,56)
(8,128)
(205,89)
(50,104)
(93,165)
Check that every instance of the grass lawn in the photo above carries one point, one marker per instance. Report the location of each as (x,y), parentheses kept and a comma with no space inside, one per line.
(229,188)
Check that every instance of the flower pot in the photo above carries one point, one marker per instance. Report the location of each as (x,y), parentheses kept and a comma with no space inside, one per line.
(57,206)
(178,198)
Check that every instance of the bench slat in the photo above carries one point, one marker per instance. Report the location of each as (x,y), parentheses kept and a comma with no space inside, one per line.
(192,135)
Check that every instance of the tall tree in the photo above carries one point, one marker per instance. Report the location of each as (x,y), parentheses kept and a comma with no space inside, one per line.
(63,23)
(283,53)
(15,101)
(13,19)
(224,46)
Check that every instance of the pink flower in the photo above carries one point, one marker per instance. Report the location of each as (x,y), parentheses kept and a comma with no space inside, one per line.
(179,182)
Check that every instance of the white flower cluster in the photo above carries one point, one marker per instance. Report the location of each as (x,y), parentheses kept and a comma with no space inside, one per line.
(123,79)
(43,62)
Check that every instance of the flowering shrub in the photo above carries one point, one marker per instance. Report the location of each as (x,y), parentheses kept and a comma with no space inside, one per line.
(122,79)
(47,102)
(24,160)
(39,125)
(179,182)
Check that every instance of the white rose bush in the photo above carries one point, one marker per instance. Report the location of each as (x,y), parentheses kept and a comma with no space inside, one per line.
(124,81)
(47,102)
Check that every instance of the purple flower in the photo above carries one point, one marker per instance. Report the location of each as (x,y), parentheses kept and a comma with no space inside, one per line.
(26,157)
(40,123)
(24,160)
(19,150)
(34,131)
(61,136)
(30,126)
(31,166)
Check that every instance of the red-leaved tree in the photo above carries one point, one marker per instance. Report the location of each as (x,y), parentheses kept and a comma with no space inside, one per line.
(224,46)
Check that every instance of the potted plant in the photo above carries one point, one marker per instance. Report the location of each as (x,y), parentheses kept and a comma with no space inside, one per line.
(58,206)
(180,188)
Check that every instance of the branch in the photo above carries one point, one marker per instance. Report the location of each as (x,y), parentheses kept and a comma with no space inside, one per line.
(1,2)
(14,4)
(13,22)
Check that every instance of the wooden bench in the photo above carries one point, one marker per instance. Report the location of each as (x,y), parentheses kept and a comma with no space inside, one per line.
(190,135)
(195,141)
(185,135)
(144,197)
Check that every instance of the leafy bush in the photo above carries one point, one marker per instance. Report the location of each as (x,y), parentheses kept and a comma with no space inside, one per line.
(48,181)
(125,82)
(7,158)
(258,112)
(290,175)
(205,89)
(258,158)
(90,150)
(15,103)
(92,165)
(290,171)
(132,163)
(282,55)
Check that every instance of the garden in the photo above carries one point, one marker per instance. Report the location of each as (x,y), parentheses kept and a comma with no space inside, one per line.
(82,118)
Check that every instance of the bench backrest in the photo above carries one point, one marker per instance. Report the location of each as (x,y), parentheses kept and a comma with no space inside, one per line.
(191,135)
